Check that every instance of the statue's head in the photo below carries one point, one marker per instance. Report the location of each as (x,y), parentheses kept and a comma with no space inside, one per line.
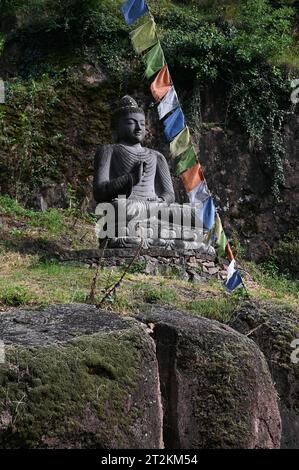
(128,122)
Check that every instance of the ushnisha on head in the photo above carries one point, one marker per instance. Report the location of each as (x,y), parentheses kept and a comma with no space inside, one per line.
(128,122)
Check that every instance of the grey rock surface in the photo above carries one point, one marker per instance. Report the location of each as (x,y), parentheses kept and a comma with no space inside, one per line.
(77,377)
(216,386)
(274,327)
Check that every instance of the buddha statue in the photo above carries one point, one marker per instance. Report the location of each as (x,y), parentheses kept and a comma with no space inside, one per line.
(134,191)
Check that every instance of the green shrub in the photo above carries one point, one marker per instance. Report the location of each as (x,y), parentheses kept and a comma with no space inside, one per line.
(237,44)
(15,296)
(220,309)
(286,256)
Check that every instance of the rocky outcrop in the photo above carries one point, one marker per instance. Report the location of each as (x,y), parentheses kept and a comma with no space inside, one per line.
(274,327)
(216,387)
(241,185)
(76,377)
(79,377)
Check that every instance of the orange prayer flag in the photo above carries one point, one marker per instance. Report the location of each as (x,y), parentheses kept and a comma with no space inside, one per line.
(192,177)
(162,83)
(229,251)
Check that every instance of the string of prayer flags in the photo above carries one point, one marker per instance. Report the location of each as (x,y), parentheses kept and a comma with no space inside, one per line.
(144,37)
(192,177)
(168,103)
(154,60)
(233,277)
(162,84)
(180,143)
(200,193)
(174,124)
(133,9)
(186,160)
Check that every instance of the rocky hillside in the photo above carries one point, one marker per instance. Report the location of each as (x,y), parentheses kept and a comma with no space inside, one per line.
(167,358)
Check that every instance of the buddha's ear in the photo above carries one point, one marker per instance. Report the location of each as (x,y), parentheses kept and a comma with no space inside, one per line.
(114,136)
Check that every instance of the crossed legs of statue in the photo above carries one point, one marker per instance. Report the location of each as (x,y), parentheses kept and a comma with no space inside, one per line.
(155,223)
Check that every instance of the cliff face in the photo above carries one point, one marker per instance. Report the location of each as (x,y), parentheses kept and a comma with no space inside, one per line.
(241,185)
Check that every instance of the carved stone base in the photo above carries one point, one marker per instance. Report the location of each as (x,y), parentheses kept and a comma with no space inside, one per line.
(166,244)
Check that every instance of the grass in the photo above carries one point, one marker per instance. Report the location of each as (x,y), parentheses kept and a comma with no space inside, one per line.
(27,280)
(220,309)
(272,285)
(67,227)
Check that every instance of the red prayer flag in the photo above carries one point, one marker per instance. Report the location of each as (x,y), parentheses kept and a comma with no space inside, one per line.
(229,251)
(162,83)
(192,177)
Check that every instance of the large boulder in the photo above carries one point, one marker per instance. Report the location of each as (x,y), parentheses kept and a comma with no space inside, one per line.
(274,326)
(216,386)
(77,377)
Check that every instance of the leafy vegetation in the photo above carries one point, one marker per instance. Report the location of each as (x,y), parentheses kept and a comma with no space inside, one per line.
(32,274)
(239,47)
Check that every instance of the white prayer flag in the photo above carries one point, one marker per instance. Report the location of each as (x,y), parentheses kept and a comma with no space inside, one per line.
(231,269)
(200,193)
(168,103)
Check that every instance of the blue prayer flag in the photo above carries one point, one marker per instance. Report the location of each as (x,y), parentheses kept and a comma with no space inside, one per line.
(208,213)
(234,281)
(174,124)
(133,9)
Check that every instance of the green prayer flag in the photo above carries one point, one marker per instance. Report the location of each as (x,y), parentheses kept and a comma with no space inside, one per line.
(186,160)
(154,60)
(144,37)
(221,244)
(180,143)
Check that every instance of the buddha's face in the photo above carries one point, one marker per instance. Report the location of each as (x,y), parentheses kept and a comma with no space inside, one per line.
(131,128)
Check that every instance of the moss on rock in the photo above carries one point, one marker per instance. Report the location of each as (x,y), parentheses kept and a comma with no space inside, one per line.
(82,393)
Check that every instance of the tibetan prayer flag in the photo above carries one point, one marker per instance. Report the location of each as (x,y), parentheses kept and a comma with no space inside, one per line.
(200,193)
(168,103)
(221,244)
(218,227)
(186,160)
(231,269)
(234,281)
(229,251)
(133,9)
(205,211)
(161,85)
(144,37)
(154,60)
(208,213)
(180,143)
(192,177)
(174,124)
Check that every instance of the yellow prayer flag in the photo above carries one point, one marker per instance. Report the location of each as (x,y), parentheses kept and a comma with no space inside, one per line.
(144,37)
(180,143)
